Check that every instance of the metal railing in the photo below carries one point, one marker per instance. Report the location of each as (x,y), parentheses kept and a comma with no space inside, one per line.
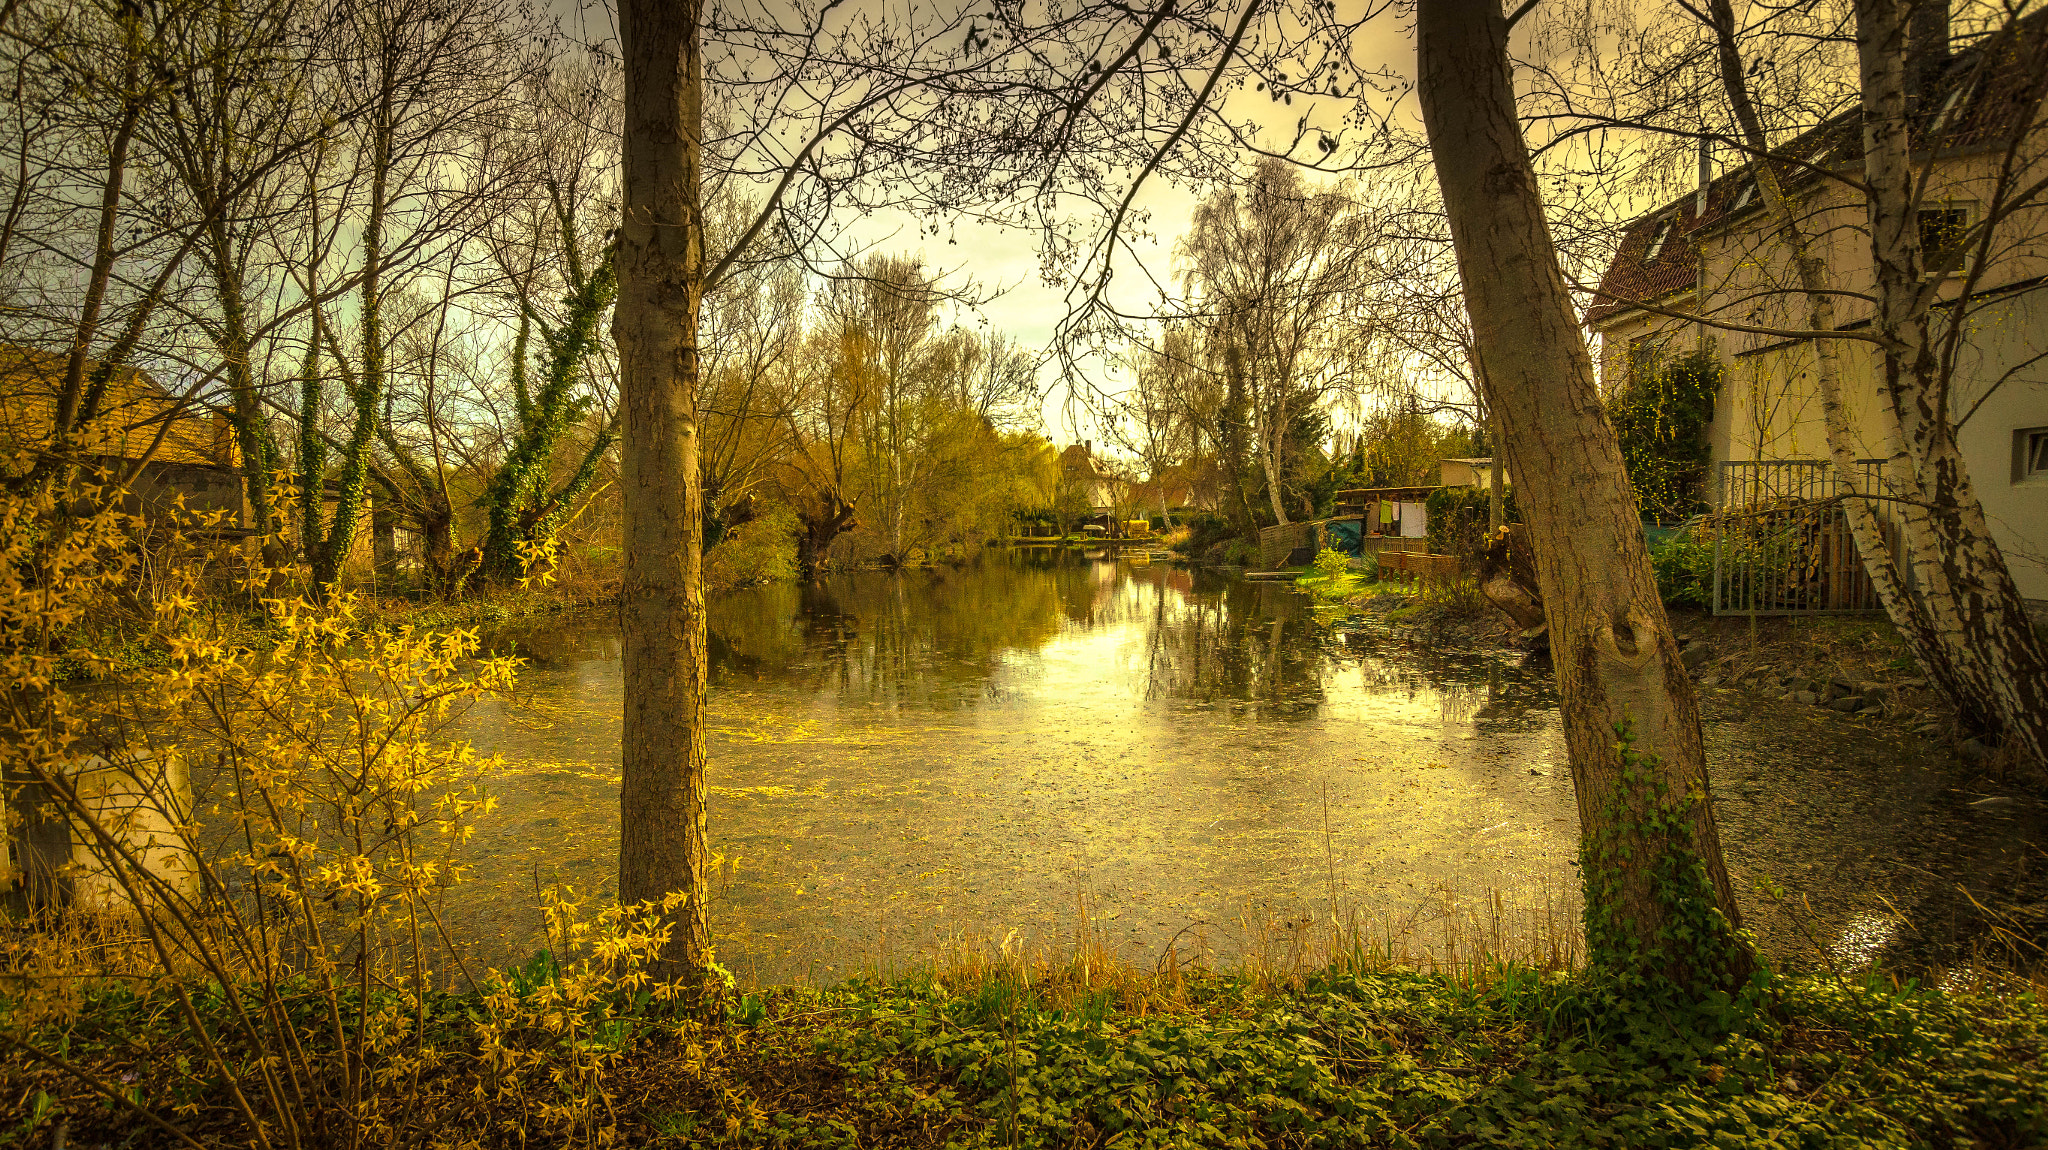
(1782,544)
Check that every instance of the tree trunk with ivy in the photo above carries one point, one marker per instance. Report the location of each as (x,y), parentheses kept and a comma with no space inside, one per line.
(525,510)
(1658,900)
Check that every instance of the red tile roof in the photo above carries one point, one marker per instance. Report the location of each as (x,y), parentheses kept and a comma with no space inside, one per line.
(1987,101)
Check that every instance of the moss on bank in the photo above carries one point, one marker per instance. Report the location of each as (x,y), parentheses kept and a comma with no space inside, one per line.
(1387,1057)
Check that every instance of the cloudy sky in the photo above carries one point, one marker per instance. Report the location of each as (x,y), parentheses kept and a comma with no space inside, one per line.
(994,257)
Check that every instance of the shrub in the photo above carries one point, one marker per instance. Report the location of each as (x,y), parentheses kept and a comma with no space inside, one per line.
(264,836)
(1660,420)
(1330,576)
(1204,531)
(1458,517)
(1684,566)
(761,550)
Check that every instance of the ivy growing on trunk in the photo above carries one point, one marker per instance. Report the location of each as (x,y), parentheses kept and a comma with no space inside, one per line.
(522,508)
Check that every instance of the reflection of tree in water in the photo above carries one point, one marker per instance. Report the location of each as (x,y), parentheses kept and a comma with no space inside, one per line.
(563,643)
(932,635)
(1223,639)
(1483,685)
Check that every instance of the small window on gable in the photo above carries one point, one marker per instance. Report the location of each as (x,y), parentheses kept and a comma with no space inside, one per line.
(1745,198)
(1947,116)
(1660,239)
(1942,232)
(2030,455)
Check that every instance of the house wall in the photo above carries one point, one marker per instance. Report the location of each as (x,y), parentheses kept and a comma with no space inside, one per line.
(2004,337)
(1770,403)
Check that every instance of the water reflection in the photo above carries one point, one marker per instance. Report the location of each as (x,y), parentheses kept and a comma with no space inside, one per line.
(903,759)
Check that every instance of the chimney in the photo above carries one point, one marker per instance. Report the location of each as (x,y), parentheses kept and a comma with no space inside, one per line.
(1926,45)
(1088,446)
(1699,205)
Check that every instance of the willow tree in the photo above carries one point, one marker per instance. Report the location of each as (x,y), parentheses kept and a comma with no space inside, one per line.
(1658,899)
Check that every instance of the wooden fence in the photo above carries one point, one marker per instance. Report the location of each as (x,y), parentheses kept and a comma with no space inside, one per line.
(1419,565)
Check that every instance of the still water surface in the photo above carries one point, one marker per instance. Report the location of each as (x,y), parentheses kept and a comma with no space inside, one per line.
(906,762)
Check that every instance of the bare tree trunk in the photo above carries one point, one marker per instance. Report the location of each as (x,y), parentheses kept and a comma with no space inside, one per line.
(1966,592)
(384,543)
(1267,450)
(662,850)
(1864,527)
(1658,899)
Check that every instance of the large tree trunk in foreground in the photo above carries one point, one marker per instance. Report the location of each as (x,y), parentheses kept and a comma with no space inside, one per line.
(661,605)
(1658,898)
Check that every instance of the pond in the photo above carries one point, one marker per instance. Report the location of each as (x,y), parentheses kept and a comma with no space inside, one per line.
(1043,746)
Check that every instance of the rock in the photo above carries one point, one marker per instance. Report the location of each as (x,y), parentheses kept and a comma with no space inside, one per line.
(1975,750)
(1875,711)
(1694,656)
(1711,681)
(1846,703)
(1876,695)
(1834,690)
(1912,684)
(1807,698)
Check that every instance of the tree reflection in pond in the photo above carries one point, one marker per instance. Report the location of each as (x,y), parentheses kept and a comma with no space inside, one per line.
(903,759)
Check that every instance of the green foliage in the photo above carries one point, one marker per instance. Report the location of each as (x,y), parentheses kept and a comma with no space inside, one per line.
(1458,518)
(1349,1057)
(761,550)
(1331,576)
(1382,1058)
(1205,530)
(1660,419)
(1645,828)
(1684,565)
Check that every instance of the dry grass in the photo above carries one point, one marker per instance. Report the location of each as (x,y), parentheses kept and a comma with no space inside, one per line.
(1465,938)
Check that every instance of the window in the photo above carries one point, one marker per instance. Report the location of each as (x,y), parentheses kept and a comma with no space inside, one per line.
(1942,233)
(1746,197)
(1659,238)
(1645,353)
(1946,116)
(2030,455)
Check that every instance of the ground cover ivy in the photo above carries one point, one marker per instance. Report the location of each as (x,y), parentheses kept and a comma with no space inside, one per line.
(1345,1057)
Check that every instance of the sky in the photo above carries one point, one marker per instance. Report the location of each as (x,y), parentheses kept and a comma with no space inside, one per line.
(1028,307)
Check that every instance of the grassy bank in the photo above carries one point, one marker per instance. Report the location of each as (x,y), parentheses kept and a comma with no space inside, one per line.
(1342,1057)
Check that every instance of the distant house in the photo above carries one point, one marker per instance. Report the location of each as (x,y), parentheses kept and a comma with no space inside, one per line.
(1716,252)
(186,448)
(1467,473)
(1181,487)
(1080,473)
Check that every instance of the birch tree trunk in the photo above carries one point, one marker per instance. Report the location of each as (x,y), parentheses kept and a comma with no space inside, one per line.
(1965,590)
(1658,899)
(1864,527)
(662,848)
